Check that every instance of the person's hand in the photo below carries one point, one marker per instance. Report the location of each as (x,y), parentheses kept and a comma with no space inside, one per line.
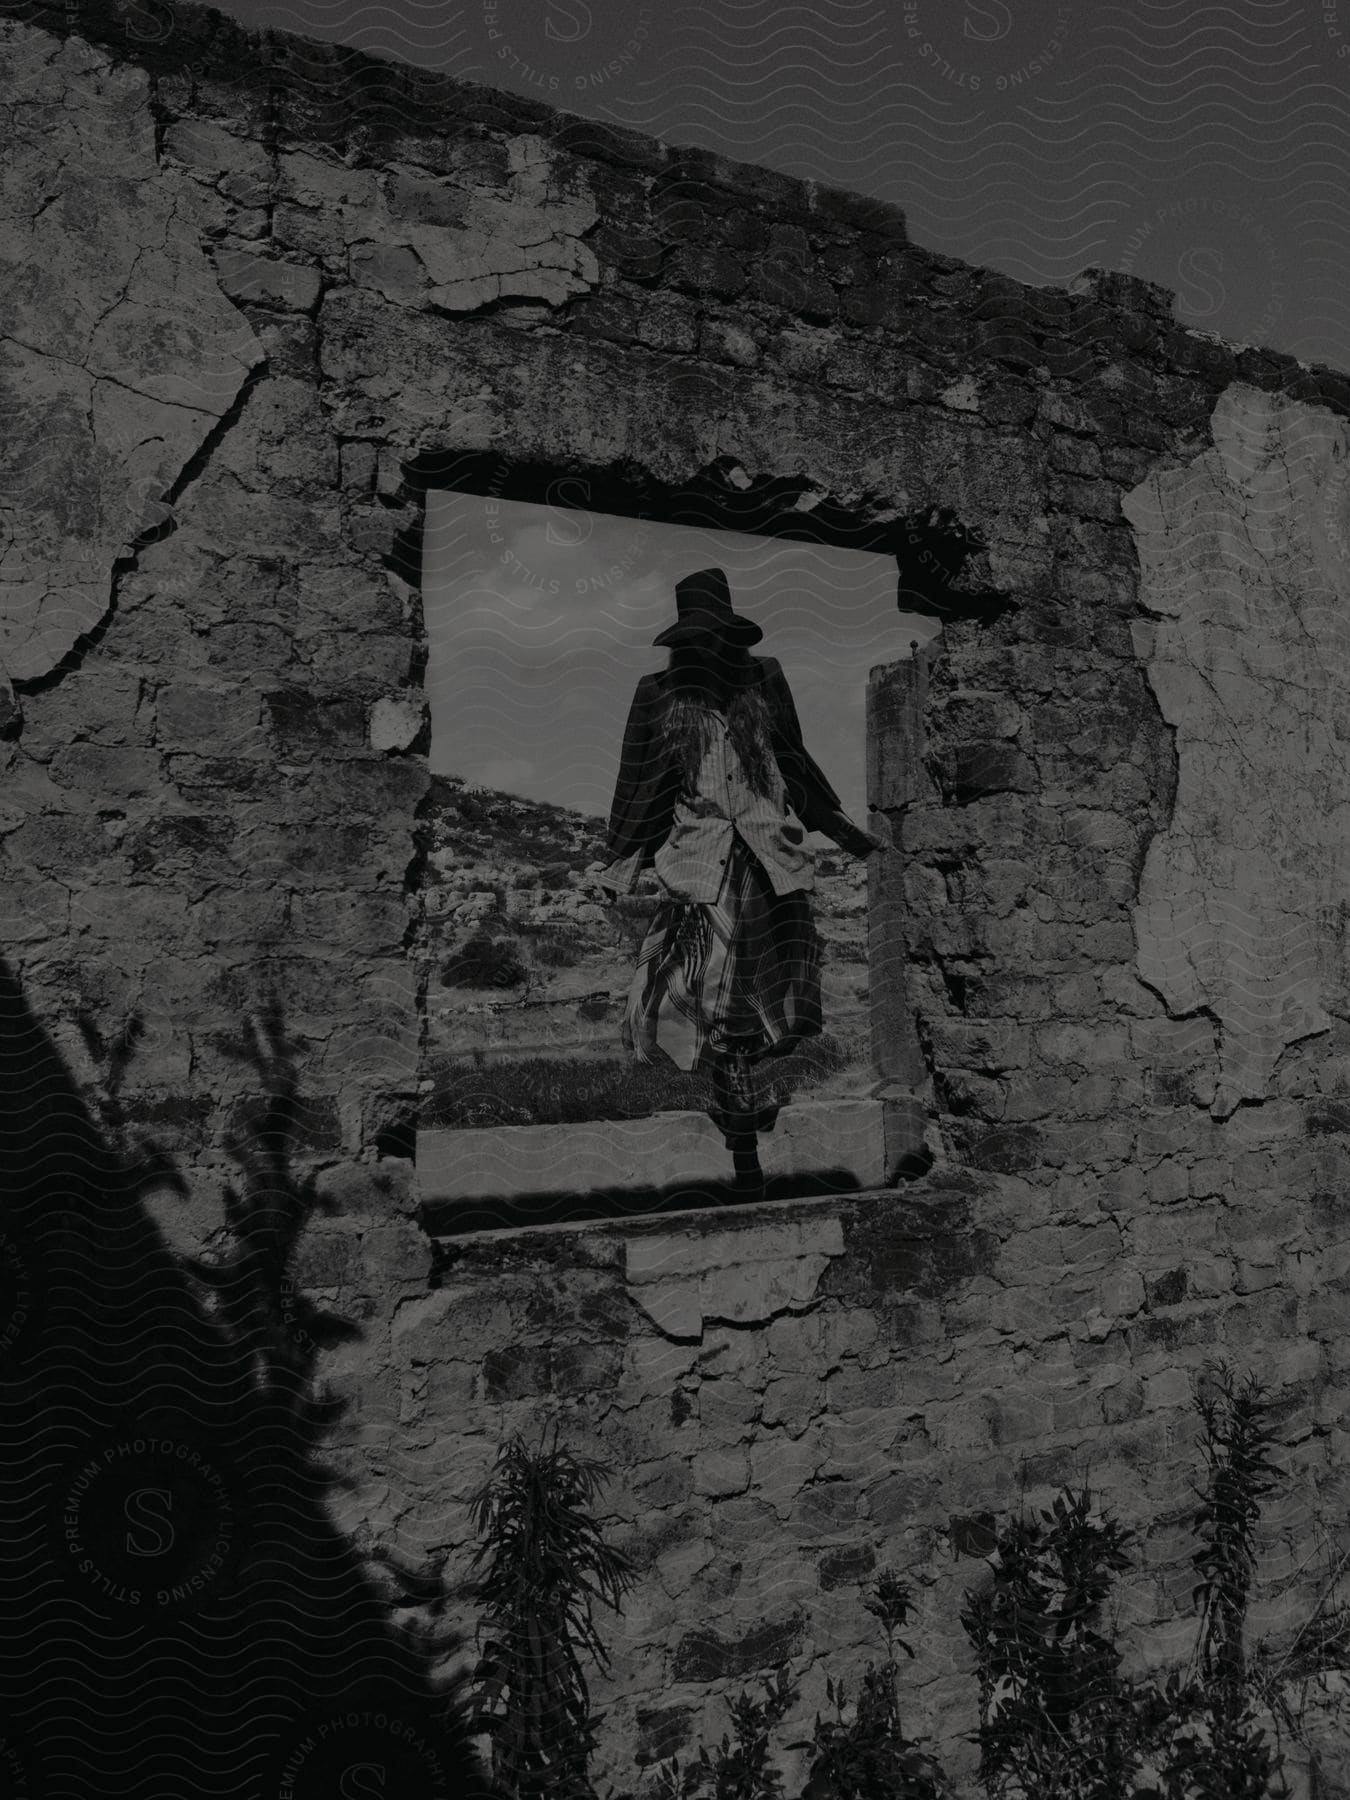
(857,842)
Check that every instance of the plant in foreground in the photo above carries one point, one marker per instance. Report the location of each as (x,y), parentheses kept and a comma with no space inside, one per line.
(870,1757)
(739,1768)
(1216,1749)
(484,961)
(546,1562)
(1058,1721)
(1056,1716)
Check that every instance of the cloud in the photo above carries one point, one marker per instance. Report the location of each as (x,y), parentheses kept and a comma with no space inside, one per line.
(509,772)
(541,619)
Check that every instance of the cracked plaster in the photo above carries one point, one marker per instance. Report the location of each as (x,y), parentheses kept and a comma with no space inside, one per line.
(118,352)
(975,1338)
(733,1277)
(1245,561)
(472,243)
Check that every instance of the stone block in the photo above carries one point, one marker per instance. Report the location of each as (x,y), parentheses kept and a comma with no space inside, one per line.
(207,720)
(965,1425)
(393,270)
(299,719)
(706,269)
(720,1472)
(60,842)
(608,316)
(1168,1388)
(669,1483)
(793,1400)
(846,1568)
(988,1046)
(729,1653)
(373,923)
(97,704)
(584,1368)
(1074,455)
(314,181)
(358,462)
(726,1410)
(515,1372)
(326,1259)
(147,914)
(108,773)
(1026,1415)
(248,276)
(1004,1148)
(828,1509)
(396,725)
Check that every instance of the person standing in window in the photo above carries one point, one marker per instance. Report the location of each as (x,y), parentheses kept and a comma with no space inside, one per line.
(715,794)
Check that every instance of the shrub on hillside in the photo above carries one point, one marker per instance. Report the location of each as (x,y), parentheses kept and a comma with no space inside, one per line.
(543,1090)
(484,961)
(558,946)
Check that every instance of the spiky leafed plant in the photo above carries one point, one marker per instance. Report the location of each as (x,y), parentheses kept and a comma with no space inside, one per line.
(1236,1443)
(1217,1749)
(870,1757)
(546,1562)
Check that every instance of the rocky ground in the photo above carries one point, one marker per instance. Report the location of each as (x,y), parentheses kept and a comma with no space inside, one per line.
(539,955)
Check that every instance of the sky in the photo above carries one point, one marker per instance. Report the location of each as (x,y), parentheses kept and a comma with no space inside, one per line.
(1202,146)
(541,620)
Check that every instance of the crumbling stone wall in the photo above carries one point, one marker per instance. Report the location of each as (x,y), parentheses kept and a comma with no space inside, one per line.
(320,283)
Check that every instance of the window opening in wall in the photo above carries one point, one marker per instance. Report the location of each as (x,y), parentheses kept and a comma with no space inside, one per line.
(541,617)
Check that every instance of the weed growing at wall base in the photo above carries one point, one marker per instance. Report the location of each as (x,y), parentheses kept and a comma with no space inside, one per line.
(1059,1719)
(545,1561)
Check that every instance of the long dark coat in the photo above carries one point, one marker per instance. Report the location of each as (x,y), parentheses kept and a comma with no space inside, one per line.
(649,778)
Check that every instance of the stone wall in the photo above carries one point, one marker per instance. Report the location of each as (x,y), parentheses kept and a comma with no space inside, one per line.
(259,295)
(793,1397)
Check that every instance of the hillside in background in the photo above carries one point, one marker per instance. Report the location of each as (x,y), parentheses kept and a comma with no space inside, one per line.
(530,961)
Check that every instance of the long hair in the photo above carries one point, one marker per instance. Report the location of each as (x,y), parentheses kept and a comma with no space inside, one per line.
(687,728)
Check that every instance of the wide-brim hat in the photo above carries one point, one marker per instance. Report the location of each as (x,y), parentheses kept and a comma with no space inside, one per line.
(703,610)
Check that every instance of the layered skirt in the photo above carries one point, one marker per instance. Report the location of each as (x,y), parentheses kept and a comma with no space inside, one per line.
(740,974)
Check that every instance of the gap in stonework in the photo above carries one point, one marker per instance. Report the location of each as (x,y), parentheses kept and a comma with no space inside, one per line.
(540,619)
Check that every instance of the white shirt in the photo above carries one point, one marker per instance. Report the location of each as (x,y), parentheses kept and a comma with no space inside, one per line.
(723,805)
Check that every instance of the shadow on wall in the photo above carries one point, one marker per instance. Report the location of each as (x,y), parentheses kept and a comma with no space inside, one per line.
(180,1614)
(450,1218)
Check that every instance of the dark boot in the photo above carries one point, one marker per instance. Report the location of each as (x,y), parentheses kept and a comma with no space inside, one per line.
(736,1110)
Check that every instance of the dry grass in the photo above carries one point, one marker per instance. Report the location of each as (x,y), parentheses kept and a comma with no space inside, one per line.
(542,1090)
